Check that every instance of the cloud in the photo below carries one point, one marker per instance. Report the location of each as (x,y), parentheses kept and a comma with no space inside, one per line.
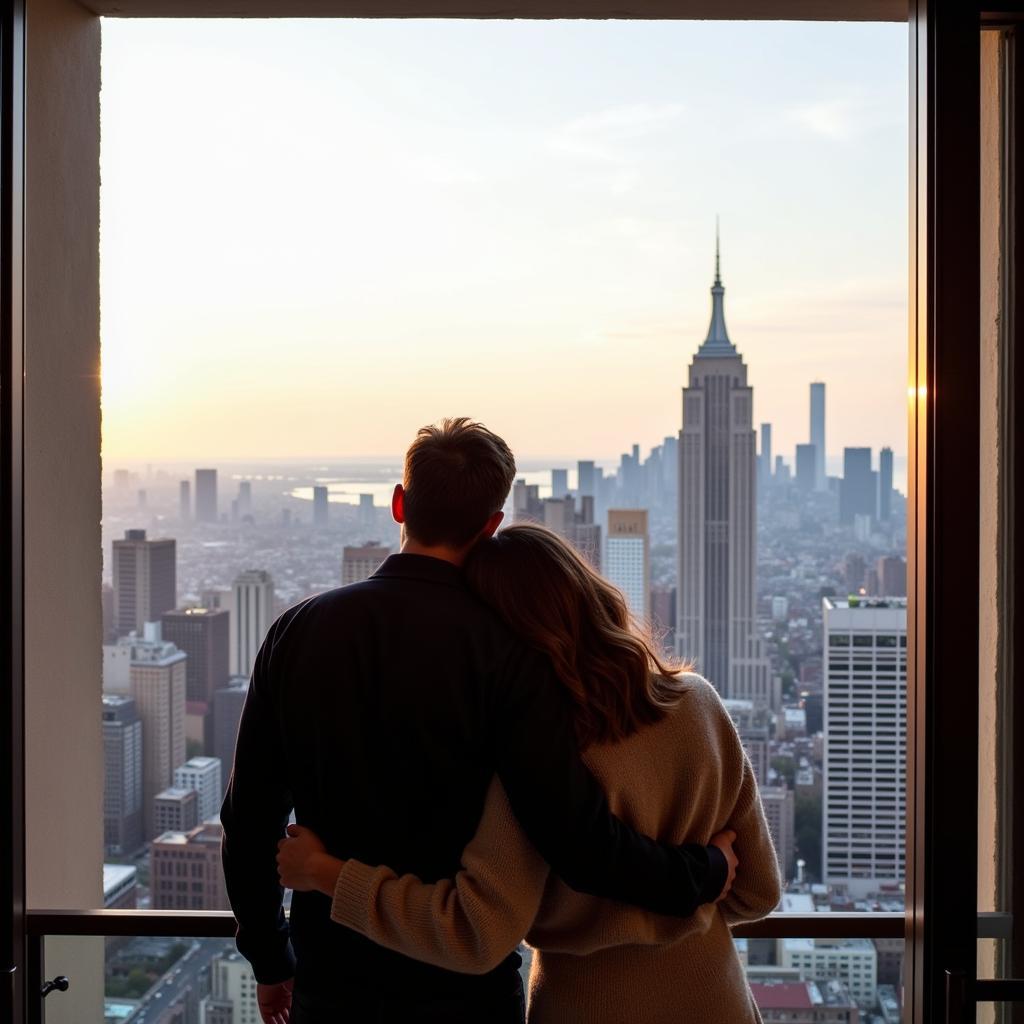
(842,119)
(602,135)
(442,170)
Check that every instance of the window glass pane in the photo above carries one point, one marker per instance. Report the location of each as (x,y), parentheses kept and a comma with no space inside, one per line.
(330,234)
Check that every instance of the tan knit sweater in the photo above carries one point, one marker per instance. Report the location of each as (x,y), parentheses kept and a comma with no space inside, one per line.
(598,961)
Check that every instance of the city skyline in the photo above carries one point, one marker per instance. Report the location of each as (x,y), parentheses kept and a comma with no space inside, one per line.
(545,239)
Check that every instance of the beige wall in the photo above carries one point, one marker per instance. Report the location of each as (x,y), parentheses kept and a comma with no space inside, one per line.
(64,751)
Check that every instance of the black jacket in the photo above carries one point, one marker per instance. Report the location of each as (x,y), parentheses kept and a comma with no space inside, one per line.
(380,711)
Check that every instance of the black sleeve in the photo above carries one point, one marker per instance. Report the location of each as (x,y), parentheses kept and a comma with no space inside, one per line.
(564,812)
(254,815)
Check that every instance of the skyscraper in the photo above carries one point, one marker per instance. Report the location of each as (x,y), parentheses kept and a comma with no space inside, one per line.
(857,488)
(186,872)
(320,506)
(627,561)
(145,580)
(818,434)
(206,495)
(227,712)
(806,466)
(585,478)
(366,514)
(244,498)
(885,485)
(764,462)
(122,778)
(864,795)
(559,483)
(202,774)
(360,563)
(717,593)
(158,687)
(184,501)
(252,611)
(204,634)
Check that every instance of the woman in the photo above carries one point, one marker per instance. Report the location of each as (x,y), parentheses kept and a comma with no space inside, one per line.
(663,746)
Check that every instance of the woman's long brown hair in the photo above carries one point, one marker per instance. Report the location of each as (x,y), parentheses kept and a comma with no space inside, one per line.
(559,605)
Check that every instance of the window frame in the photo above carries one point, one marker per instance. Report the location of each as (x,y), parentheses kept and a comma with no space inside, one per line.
(942,459)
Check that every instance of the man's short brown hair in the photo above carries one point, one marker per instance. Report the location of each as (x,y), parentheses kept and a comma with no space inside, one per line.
(457,475)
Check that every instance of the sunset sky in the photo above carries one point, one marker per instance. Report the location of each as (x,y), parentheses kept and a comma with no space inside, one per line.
(318,235)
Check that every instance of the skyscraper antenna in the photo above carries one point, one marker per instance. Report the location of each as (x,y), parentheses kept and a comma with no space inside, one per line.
(718,265)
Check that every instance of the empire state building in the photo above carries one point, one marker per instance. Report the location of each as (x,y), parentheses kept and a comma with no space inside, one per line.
(717,596)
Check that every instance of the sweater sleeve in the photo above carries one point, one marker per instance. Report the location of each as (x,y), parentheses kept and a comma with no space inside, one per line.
(469,923)
(758,887)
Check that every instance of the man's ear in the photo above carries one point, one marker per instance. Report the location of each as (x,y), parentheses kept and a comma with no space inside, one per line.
(398,504)
(492,525)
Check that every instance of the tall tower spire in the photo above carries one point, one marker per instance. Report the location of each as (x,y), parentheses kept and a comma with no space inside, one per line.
(718,251)
(717,342)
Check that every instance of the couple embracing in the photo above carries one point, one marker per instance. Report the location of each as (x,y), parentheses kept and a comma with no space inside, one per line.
(481,746)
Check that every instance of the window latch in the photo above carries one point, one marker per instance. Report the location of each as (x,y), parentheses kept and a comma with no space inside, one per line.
(61,984)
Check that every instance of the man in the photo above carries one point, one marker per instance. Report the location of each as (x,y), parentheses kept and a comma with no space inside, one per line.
(380,712)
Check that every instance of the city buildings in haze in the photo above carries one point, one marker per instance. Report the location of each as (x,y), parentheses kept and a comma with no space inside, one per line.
(885,485)
(206,495)
(817,437)
(185,501)
(764,460)
(145,580)
(857,488)
(559,483)
(321,506)
(806,467)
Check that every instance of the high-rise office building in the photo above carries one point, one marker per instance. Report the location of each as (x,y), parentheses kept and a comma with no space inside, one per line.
(366,514)
(628,558)
(175,810)
(891,573)
(145,580)
(851,961)
(321,506)
(764,460)
(559,483)
(779,809)
(185,501)
(158,687)
(227,713)
(122,778)
(559,515)
(806,467)
(206,495)
(360,562)
(185,871)
(204,634)
(817,437)
(252,612)
(885,485)
(857,488)
(232,998)
(865,747)
(202,774)
(585,478)
(717,551)
(244,498)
